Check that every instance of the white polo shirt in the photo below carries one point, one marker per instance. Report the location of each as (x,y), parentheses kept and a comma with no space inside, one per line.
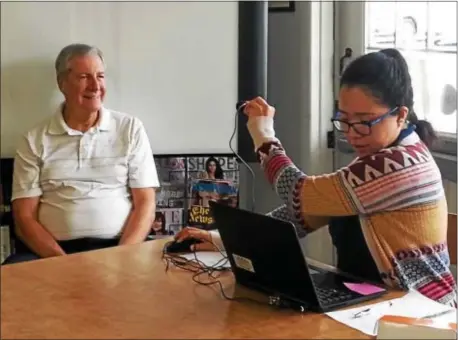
(84,179)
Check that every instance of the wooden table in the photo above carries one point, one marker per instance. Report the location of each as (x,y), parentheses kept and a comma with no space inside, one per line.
(124,292)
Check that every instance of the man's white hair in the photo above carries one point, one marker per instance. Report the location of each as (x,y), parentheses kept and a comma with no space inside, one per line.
(71,51)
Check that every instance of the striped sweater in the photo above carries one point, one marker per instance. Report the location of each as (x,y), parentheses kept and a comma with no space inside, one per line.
(399,198)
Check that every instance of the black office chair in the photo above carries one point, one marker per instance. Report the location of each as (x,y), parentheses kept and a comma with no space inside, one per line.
(6,180)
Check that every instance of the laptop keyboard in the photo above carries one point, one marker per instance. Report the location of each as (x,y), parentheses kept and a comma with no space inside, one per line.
(328,296)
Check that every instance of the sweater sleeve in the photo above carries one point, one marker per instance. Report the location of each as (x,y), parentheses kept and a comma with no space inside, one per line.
(390,180)
(304,225)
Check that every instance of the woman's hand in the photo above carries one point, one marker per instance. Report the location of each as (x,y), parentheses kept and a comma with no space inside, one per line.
(204,235)
(258,107)
(260,121)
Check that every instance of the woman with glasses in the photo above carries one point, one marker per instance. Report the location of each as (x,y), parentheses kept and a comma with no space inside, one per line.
(386,210)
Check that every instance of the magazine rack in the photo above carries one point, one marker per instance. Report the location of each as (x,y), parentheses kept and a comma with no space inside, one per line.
(189,182)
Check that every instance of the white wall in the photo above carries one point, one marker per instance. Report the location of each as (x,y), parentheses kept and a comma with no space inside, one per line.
(172,64)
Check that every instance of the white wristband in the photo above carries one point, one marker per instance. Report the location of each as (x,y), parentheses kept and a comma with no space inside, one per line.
(216,239)
(261,129)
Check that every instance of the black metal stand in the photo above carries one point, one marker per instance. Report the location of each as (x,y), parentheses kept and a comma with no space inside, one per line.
(252,65)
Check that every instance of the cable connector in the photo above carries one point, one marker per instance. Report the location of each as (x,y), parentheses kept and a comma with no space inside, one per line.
(278,302)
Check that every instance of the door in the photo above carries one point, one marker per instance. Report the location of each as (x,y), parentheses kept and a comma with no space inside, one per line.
(425,33)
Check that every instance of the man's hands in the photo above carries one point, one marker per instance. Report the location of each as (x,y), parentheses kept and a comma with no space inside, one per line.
(139,221)
(204,235)
(260,121)
(30,231)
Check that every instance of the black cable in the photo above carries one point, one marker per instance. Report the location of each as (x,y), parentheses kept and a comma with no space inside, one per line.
(199,268)
(243,161)
(194,265)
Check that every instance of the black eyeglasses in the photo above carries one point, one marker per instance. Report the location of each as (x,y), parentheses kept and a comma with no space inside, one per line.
(364,128)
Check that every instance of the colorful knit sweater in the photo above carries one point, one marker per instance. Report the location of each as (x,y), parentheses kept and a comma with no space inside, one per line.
(399,197)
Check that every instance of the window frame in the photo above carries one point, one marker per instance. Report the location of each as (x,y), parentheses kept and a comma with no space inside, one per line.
(356,37)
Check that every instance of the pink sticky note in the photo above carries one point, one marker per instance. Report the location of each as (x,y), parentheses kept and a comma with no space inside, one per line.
(363,288)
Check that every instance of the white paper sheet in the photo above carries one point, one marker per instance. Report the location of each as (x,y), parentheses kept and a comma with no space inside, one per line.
(413,304)
(209,258)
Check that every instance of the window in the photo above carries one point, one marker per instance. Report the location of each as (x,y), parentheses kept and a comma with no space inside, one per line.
(425,32)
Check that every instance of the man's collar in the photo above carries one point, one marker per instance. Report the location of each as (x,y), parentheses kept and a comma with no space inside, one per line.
(57,126)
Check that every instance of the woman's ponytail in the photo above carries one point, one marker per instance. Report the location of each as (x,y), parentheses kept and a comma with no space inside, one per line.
(424,129)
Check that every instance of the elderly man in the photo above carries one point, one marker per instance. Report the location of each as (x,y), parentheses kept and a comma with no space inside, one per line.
(85,178)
